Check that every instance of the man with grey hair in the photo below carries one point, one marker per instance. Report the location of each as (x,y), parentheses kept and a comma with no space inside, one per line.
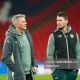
(18,42)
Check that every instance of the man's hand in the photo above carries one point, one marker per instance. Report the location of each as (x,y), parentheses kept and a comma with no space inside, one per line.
(35,69)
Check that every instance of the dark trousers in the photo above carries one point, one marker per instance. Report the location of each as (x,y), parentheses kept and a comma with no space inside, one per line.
(61,74)
(29,77)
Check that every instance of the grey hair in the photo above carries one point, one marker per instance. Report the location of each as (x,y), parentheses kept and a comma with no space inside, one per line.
(15,17)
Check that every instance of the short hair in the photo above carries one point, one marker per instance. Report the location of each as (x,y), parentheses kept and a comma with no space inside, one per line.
(17,16)
(62,14)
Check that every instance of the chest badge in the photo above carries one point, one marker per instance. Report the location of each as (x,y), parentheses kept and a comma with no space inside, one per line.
(71,35)
(59,36)
(15,42)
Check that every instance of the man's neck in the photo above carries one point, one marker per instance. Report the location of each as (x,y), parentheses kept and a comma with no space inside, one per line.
(19,30)
(65,29)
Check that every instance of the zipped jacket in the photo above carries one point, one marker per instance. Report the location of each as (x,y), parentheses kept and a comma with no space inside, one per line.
(66,45)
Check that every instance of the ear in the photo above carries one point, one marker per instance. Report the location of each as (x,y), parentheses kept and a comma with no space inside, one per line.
(67,21)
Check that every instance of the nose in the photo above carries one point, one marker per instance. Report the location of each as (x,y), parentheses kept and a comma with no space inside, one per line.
(58,22)
(25,22)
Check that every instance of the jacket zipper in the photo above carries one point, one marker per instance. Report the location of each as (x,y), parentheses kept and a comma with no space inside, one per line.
(67,51)
(67,47)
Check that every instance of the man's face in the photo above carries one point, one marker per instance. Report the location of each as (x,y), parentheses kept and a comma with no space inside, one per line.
(21,23)
(61,22)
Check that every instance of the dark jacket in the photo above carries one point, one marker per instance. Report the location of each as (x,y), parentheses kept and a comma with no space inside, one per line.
(64,46)
(12,46)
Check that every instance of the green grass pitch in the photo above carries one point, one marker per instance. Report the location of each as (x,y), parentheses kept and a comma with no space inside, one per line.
(36,77)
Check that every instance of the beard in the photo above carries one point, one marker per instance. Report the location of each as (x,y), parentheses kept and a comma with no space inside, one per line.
(61,28)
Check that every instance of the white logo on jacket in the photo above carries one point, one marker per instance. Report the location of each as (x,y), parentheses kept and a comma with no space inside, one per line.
(60,36)
(71,35)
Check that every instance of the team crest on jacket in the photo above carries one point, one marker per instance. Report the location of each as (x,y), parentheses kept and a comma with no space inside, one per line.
(15,42)
(71,35)
(60,36)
